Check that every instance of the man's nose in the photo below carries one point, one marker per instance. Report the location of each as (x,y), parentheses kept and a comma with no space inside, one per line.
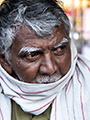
(48,65)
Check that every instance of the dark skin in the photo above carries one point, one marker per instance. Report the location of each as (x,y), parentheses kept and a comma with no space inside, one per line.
(48,61)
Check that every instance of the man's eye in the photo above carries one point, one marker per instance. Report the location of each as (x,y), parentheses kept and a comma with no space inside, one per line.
(59,50)
(30,56)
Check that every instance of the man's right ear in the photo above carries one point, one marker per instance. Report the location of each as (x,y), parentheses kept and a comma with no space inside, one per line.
(4,63)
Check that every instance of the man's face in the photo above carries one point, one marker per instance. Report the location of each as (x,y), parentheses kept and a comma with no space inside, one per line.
(37,59)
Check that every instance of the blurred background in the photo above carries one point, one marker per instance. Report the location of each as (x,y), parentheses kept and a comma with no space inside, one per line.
(78,12)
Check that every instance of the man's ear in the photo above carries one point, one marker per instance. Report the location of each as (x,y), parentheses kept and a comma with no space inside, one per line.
(4,63)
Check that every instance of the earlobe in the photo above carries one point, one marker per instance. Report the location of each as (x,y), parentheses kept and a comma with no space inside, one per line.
(4,63)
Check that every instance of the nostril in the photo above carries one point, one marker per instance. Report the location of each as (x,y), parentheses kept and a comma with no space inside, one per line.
(47,74)
(53,73)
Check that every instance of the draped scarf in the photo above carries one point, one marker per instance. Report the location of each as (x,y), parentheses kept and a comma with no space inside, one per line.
(69,96)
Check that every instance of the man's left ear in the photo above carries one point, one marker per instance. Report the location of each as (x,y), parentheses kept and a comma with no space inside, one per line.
(4,63)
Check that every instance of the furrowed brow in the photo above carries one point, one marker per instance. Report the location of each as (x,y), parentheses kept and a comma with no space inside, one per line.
(64,40)
(28,50)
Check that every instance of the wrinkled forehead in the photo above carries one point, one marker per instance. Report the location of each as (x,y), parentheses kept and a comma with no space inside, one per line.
(26,37)
(27,32)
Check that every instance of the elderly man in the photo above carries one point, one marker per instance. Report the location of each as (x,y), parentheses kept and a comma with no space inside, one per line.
(42,77)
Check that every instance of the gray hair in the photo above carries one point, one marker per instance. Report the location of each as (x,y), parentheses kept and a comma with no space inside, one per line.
(41,15)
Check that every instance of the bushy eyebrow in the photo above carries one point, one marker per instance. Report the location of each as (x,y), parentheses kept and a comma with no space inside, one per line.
(64,40)
(33,49)
(28,50)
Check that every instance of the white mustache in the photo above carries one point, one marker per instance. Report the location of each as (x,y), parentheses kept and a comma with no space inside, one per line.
(47,79)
